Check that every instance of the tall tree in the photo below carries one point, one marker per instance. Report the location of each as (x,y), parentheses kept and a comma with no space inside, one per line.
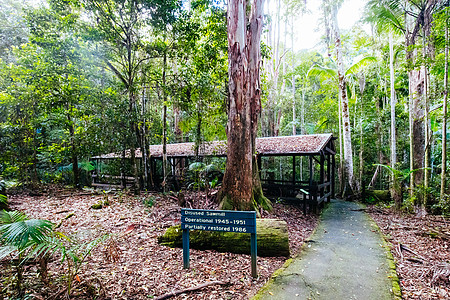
(387,19)
(444,112)
(413,17)
(331,8)
(241,187)
(118,24)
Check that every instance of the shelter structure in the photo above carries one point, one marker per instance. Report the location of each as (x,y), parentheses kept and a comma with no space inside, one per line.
(299,168)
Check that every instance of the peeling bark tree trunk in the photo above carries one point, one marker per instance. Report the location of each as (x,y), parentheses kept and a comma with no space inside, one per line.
(347,141)
(241,187)
(417,80)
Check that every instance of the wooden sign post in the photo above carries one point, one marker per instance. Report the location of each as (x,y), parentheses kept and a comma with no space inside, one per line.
(219,220)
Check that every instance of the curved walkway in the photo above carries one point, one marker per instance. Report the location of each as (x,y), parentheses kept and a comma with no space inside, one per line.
(345,258)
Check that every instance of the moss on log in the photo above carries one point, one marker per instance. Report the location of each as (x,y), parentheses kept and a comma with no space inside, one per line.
(272,239)
(380,195)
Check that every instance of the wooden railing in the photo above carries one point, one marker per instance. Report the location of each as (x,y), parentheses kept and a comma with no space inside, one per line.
(307,193)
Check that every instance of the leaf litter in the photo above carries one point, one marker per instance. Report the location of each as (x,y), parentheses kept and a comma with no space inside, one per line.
(420,246)
(131,264)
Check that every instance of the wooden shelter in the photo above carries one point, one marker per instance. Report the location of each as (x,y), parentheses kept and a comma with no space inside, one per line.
(310,177)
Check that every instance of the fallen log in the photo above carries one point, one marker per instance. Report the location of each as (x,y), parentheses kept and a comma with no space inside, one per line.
(379,195)
(272,239)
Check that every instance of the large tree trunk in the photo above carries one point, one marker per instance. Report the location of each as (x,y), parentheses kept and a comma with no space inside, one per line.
(347,141)
(241,187)
(417,91)
(272,239)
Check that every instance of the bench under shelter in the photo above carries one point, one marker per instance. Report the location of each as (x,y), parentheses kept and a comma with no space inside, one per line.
(298,168)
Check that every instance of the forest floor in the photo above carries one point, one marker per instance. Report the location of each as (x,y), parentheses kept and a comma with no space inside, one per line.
(131,264)
(420,246)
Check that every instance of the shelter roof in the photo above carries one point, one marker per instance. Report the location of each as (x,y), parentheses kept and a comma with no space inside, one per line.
(282,145)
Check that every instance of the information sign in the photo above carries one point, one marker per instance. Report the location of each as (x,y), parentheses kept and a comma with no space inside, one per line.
(218,220)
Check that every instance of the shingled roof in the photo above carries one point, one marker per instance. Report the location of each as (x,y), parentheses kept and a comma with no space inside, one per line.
(281,145)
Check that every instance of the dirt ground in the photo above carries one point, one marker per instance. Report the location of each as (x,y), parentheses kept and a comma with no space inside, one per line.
(420,246)
(131,264)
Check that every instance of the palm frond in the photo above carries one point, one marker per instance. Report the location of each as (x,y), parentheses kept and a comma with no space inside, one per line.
(23,232)
(6,250)
(3,199)
(357,66)
(8,217)
(47,247)
(322,72)
(385,14)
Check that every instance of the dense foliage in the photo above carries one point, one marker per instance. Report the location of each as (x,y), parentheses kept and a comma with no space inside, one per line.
(82,78)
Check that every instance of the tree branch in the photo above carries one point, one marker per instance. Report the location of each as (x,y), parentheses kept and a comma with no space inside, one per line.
(198,287)
(117,74)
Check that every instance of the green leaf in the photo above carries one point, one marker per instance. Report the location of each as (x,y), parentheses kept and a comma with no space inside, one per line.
(19,232)
(358,65)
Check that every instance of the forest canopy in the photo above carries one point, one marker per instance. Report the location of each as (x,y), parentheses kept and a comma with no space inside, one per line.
(83,78)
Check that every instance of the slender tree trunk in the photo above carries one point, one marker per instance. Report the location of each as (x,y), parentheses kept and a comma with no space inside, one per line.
(164,183)
(341,151)
(134,139)
(361,144)
(348,153)
(427,135)
(283,84)
(396,193)
(393,102)
(144,142)
(294,117)
(411,138)
(76,171)
(198,134)
(444,118)
(302,111)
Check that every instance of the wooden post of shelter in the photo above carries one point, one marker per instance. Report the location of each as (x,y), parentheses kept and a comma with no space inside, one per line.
(333,175)
(293,171)
(312,193)
(322,176)
(329,180)
(258,161)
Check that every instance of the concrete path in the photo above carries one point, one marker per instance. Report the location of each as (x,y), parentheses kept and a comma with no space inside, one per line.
(344,259)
